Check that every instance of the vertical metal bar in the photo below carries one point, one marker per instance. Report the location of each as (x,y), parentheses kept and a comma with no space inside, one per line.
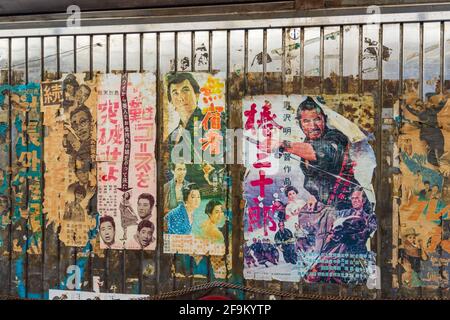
(124,251)
(91,76)
(193,51)
(176,70)
(141,52)
(283,60)
(341,60)
(175,63)
(11,209)
(228,104)
(210,68)
(322,50)
(107,251)
(245,62)
(44,215)
(141,256)
(400,65)
(342,290)
(26,60)
(379,151)
(421,60)
(75,65)
(210,50)
(27,184)
(108,47)
(91,57)
(58,61)
(75,52)
(442,59)
(302,60)
(441,90)
(360,59)
(160,240)
(58,75)
(400,107)
(264,86)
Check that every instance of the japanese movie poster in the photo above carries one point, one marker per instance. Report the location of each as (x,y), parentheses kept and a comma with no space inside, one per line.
(126,135)
(195,192)
(70,117)
(421,193)
(23,101)
(309,211)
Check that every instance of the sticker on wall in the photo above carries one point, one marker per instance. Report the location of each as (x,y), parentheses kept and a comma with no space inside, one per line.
(196,188)
(70,116)
(309,211)
(126,161)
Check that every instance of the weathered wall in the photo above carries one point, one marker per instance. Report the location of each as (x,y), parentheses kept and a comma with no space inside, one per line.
(338,67)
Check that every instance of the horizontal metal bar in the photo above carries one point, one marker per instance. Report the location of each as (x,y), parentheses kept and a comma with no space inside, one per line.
(223,21)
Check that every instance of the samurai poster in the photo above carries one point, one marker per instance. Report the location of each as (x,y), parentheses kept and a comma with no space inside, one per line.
(23,101)
(309,211)
(422,256)
(195,192)
(126,161)
(70,117)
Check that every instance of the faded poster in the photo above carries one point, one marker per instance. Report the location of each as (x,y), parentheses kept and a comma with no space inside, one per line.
(126,161)
(309,211)
(70,116)
(195,214)
(421,192)
(5,201)
(26,202)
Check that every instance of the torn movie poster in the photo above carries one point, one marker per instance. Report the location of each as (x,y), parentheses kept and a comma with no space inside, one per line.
(195,193)
(5,201)
(421,193)
(70,116)
(126,161)
(309,211)
(25,188)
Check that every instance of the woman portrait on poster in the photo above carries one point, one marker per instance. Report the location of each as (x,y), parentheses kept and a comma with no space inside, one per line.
(294,203)
(180,219)
(127,216)
(209,228)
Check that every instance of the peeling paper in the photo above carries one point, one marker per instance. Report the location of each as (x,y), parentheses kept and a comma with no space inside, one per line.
(69,106)
(26,166)
(421,195)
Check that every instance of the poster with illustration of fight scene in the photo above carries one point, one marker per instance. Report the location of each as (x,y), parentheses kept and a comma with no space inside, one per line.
(310,203)
(195,193)
(70,116)
(126,136)
(422,256)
